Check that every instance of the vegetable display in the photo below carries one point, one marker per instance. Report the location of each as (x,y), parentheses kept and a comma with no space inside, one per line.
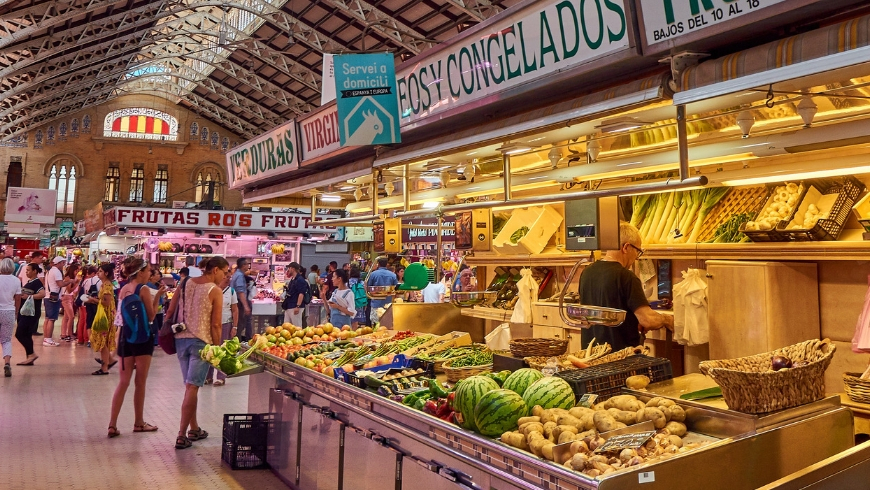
(478,358)
(729,230)
(519,234)
(778,208)
(224,356)
(674,217)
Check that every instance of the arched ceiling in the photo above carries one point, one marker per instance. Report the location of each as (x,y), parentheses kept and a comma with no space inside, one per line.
(247,65)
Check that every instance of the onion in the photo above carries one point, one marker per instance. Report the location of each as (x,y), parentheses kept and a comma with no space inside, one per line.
(780,362)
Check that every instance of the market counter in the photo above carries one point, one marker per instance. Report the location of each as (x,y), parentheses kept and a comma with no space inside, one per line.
(434,318)
(416,451)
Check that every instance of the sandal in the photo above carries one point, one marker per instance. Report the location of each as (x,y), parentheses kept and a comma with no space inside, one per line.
(219,382)
(112,364)
(182,442)
(146,427)
(99,372)
(195,435)
(113,431)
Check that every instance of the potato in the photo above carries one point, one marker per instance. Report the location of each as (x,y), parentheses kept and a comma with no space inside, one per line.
(565,428)
(548,428)
(566,437)
(525,420)
(547,451)
(676,428)
(677,413)
(579,412)
(589,434)
(578,461)
(627,418)
(638,382)
(622,402)
(515,439)
(537,446)
(531,436)
(531,427)
(620,425)
(604,422)
(654,402)
(569,420)
(664,402)
(675,440)
(657,416)
(549,416)
(578,447)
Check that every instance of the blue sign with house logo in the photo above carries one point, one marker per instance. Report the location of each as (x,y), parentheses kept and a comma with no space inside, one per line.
(368,110)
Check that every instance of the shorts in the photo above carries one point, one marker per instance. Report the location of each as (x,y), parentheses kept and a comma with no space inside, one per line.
(52,309)
(193,369)
(133,350)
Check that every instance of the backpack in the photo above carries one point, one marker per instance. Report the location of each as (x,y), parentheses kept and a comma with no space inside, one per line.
(360,300)
(136,328)
(288,304)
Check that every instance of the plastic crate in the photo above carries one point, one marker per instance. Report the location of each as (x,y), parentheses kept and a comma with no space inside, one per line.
(607,380)
(774,234)
(246,440)
(848,190)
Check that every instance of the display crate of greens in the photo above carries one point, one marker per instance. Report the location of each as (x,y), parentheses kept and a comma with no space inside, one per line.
(733,210)
(844,194)
(439,358)
(468,365)
(607,380)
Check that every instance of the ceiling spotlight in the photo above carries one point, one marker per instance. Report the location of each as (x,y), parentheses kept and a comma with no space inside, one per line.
(437,165)
(161,231)
(237,233)
(554,156)
(807,110)
(389,188)
(330,198)
(745,120)
(272,235)
(357,194)
(593,148)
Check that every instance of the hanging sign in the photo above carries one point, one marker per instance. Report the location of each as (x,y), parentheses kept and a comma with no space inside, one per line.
(368,112)
(213,221)
(428,234)
(319,133)
(26,205)
(327,80)
(542,39)
(265,156)
(666,20)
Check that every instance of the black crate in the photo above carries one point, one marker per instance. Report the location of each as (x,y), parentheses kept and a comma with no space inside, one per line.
(244,457)
(848,190)
(772,235)
(607,380)
(249,429)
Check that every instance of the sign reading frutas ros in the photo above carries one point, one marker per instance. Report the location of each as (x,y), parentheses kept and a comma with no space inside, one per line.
(368,112)
(533,42)
(265,156)
(668,19)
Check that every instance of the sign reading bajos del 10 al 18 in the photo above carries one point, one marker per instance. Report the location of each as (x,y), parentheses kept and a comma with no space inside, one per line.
(265,156)
(368,112)
(535,41)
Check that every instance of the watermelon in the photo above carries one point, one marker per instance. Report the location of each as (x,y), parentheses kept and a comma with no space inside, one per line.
(521,379)
(470,391)
(550,392)
(498,411)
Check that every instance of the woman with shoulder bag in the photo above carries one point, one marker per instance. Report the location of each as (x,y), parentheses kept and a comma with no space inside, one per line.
(341,305)
(28,324)
(201,312)
(101,294)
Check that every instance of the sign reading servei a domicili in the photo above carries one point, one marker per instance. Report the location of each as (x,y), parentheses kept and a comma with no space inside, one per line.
(535,41)
(265,156)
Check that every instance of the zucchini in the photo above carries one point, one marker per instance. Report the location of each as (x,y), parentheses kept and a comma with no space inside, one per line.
(702,394)
(374,382)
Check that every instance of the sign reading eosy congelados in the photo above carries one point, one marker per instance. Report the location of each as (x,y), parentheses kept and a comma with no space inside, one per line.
(368,112)
(212,221)
(536,41)
(665,20)
(265,156)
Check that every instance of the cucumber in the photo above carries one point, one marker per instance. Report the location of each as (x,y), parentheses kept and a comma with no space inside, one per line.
(702,394)
(373,382)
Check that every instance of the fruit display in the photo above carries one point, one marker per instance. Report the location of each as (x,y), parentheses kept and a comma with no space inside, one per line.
(498,411)
(164,246)
(550,392)
(469,392)
(674,217)
(277,248)
(521,379)
(582,428)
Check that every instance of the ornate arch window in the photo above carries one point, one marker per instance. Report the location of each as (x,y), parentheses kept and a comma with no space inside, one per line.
(140,123)
(205,177)
(62,176)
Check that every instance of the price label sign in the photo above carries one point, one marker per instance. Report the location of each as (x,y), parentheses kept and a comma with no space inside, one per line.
(625,441)
(587,400)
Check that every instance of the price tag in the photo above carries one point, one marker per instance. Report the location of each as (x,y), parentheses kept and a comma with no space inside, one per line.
(625,441)
(646,477)
(587,400)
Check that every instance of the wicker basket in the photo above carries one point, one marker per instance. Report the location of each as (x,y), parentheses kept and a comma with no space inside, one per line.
(749,385)
(858,389)
(538,347)
(540,362)
(620,355)
(455,374)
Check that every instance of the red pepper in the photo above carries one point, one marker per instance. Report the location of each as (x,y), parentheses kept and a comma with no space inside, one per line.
(430,407)
(449,417)
(443,408)
(450,398)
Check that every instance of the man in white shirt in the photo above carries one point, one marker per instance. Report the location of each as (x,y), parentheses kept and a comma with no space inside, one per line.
(54,281)
(434,293)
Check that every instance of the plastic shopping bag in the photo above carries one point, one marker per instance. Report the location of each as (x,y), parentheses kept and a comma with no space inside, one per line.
(691,326)
(499,338)
(101,321)
(527,295)
(28,308)
(861,339)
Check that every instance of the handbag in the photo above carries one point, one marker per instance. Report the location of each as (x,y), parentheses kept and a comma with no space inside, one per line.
(166,336)
(28,308)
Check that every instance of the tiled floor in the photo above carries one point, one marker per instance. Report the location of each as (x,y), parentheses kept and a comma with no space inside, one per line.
(54,415)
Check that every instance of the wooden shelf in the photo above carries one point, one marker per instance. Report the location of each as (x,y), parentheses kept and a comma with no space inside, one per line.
(482,312)
(812,251)
(550,260)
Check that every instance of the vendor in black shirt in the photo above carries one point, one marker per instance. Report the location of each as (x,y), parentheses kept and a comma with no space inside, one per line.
(609,283)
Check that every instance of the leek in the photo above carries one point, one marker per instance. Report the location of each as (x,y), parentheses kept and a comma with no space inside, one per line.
(640,208)
(660,225)
(672,217)
(650,213)
(711,198)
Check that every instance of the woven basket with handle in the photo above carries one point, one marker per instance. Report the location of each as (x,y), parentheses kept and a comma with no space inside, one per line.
(858,389)
(455,374)
(538,347)
(750,386)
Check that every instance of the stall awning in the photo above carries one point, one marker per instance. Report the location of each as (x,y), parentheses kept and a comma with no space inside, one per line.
(334,175)
(830,48)
(621,97)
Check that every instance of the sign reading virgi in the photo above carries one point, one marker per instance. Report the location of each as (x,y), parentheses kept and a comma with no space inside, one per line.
(668,19)
(265,156)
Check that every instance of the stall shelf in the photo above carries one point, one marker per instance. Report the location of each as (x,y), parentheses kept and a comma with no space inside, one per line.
(839,250)
(789,439)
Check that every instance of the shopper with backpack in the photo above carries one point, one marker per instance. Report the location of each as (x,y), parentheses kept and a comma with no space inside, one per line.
(297,295)
(135,342)
(359,296)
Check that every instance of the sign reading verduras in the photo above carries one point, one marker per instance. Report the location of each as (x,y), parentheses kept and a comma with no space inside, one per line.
(26,205)
(213,221)
(666,20)
(532,43)
(265,156)
(365,86)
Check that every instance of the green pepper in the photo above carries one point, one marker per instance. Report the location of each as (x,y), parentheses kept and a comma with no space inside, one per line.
(421,400)
(410,399)
(436,390)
